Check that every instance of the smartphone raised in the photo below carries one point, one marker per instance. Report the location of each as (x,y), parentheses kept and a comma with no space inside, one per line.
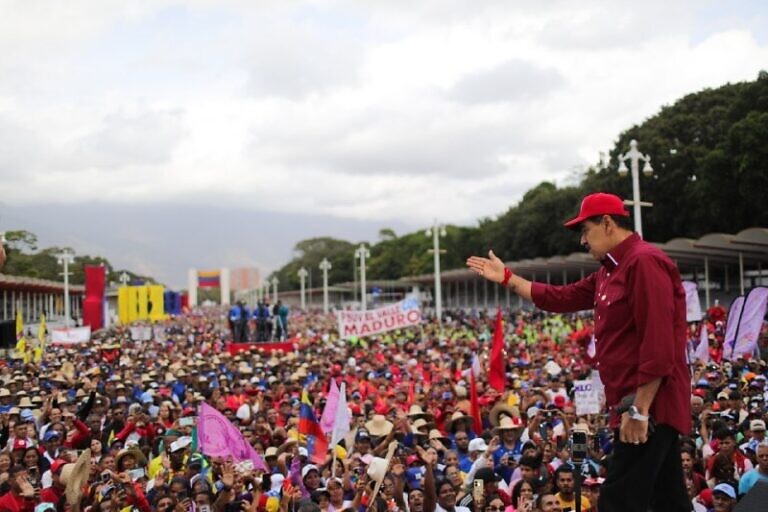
(478,490)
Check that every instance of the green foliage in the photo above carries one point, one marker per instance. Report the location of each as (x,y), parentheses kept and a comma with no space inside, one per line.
(709,151)
(24,259)
(309,254)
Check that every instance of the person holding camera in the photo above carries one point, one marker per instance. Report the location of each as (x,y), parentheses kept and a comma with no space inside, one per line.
(640,335)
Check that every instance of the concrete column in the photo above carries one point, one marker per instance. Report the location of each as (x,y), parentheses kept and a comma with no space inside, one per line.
(741,272)
(706,282)
(192,287)
(485,293)
(458,295)
(224,282)
(474,281)
(496,295)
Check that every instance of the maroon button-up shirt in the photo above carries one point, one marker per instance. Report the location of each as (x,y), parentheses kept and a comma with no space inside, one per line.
(640,328)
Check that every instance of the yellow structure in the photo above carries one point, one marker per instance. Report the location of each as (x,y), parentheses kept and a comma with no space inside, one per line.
(133,303)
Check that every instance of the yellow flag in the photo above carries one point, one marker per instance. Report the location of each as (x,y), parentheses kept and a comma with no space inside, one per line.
(19,325)
(41,330)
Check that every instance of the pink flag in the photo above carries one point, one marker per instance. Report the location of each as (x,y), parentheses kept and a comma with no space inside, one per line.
(702,349)
(331,404)
(750,324)
(218,437)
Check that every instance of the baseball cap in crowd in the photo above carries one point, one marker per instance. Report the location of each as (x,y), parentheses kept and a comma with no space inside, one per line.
(19,444)
(757,425)
(723,395)
(478,444)
(598,204)
(487,475)
(50,435)
(362,435)
(725,488)
(56,465)
(195,460)
(181,443)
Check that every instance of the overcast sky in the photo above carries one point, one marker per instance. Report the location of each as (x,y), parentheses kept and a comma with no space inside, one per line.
(166,135)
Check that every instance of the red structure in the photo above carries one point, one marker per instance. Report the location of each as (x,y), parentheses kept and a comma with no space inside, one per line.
(93,305)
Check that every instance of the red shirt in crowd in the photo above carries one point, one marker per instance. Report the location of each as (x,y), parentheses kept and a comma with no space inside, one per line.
(10,502)
(640,327)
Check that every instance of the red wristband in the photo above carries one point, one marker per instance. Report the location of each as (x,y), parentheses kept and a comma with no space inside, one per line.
(507,276)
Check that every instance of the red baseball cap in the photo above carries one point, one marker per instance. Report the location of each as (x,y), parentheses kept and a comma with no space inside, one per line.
(56,465)
(599,203)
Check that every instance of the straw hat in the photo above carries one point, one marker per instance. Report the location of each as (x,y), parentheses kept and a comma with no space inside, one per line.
(417,412)
(502,409)
(422,423)
(456,419)
(134,452)
(25,403)
(378,468)
(437,435)
(74,476)
(379,426)
(509,423)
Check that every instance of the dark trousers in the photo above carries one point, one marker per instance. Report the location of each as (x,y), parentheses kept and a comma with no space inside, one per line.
(646,476)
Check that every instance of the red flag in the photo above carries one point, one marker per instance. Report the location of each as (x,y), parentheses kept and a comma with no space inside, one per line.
(477,421)
(496,378)
(411,394)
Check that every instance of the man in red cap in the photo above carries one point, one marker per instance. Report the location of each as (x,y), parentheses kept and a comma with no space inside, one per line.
(640,335)
(54,493)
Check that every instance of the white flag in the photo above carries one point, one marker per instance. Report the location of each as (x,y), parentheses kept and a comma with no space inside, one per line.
(474,368)
(702,350)
(592,348)
(343,417)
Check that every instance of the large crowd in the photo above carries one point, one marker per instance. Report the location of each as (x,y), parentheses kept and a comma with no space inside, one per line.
(112,425)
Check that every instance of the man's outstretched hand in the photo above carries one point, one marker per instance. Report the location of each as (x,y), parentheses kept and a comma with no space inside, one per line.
(491,268)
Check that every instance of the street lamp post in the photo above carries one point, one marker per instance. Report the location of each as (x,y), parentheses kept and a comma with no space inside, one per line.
(275,282)
(124,278)
(362,252)
(325,266)
(634,156)
(302,276)
(436,231)
(65,258)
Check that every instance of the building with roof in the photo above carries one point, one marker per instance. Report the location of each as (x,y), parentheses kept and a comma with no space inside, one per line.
(34,297)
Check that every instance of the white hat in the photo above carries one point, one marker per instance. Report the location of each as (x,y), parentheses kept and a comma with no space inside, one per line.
(756,425)
(478,444)
(306,469)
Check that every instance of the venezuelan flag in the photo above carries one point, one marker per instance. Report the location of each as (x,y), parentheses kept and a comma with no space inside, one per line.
(317,443)
(208,278)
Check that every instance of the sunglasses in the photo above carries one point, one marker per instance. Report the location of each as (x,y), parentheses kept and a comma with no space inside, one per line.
(496,509)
